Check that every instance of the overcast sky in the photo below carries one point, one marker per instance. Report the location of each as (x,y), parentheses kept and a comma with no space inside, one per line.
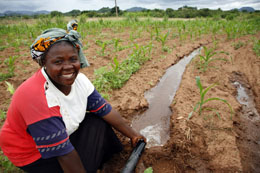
(68,5)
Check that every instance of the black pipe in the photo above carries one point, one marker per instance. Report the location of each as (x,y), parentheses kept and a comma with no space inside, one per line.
(134,157)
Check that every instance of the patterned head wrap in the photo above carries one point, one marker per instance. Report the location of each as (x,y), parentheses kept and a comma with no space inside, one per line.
(53,35)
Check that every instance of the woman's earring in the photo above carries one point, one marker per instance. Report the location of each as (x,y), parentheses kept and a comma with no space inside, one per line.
(44,67)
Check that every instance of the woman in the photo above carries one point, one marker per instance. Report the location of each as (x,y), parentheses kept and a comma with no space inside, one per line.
(57,121)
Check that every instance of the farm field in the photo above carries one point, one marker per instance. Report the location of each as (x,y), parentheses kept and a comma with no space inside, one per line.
(129,56)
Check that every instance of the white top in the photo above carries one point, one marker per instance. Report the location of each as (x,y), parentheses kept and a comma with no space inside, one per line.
(72,106)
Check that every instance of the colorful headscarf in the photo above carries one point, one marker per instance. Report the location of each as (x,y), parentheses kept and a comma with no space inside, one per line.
(53,35)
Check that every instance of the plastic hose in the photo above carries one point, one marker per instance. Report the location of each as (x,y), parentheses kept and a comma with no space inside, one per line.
(134,157)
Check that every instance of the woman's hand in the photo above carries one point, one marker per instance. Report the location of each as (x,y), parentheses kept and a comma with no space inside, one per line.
(115,119)
(135,139)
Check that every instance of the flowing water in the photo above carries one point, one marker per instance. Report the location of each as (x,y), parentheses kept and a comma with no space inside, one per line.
(154,123)
(244,98)
(247,128)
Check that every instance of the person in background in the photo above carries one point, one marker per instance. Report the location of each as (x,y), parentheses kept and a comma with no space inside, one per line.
(57,121)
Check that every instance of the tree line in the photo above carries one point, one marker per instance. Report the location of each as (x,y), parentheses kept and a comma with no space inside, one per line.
(182,12)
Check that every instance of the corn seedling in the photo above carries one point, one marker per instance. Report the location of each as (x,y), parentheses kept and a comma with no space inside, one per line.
(2,115)
(148,170)
(215,43)
(157,33)
(238,45)
(10,64)
(165,18)
(204,61)
(117,46)
(151,33)
(3,48)
(10,87)
(256,47)
(116,74)
(26,62)
(163,39)
(82,19)
(200,104)
(103,45)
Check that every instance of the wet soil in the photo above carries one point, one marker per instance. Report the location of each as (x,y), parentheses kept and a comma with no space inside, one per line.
(247,125)
(203,143)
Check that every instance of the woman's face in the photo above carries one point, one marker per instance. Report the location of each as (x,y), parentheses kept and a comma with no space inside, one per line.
(62,65)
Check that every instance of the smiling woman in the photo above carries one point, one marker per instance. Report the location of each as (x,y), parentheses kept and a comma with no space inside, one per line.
(60,120)
(62,65)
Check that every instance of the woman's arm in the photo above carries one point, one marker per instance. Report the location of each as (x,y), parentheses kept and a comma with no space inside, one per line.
(115,119)
(71,163)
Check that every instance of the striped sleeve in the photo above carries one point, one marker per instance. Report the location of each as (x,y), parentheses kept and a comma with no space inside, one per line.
(50,137)
(98,105)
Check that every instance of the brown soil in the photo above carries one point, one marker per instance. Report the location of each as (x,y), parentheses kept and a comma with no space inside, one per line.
(200,144)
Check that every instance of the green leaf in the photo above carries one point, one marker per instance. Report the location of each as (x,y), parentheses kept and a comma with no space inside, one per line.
(149,170)
(10,87)
(223,100)
(190,114)
(199,84)
(205,92)
(194,109)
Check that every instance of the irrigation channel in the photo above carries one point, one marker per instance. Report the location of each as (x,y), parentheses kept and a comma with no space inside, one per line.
(154,123)
(248,128)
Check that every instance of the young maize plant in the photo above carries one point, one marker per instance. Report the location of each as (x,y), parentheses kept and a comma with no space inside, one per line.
(163,38)
(200,104)
(256,47)
(204,61)
(103,45)
(10,87)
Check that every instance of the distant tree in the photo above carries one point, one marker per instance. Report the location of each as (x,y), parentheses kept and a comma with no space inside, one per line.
(185,7)
(234,10)
(26,17)
(73,13)
(114,10)
(104,10)
(169,12)
(205,12)
(89,13)
(56,13)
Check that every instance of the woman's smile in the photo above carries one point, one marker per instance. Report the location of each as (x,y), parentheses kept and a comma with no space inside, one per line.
(62,65)
(68,76)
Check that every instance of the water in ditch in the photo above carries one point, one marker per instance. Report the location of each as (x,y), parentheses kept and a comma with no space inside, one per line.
(244,98)
(247,127)
(154,123)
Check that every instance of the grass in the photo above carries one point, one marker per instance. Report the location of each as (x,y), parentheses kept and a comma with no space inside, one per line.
(200,105)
